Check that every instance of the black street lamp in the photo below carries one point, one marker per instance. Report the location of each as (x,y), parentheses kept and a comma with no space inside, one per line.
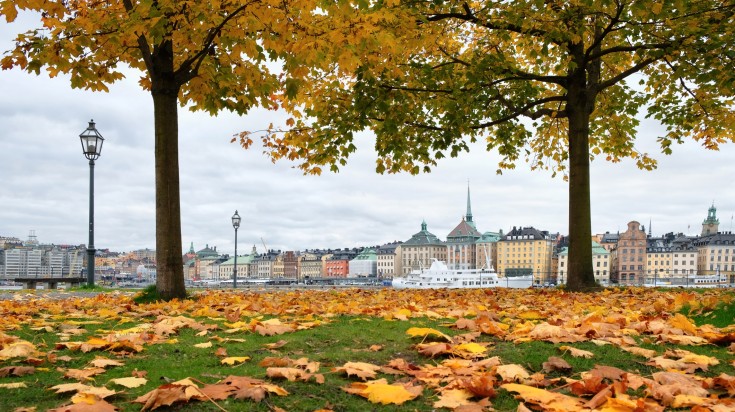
(92,148)
(236,225)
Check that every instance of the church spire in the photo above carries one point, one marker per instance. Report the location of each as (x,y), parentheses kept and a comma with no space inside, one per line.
(468,218)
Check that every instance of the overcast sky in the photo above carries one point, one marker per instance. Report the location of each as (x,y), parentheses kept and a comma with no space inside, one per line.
(45,181)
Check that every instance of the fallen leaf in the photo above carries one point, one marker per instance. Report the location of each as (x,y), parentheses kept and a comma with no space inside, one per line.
(379,391)
(453,398)
(362,370)
(556,364)
(425,332)
(130,382)
(549,401)
(232,360)
(577,353)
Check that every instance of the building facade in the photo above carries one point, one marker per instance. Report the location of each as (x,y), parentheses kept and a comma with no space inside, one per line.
(419,251)
(526,251)
(630,263)
(601,264)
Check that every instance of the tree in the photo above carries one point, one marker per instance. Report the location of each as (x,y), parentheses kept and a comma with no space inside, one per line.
(208,55)
(559,82)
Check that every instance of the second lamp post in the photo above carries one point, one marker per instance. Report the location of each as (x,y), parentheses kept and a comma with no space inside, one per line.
(236,225)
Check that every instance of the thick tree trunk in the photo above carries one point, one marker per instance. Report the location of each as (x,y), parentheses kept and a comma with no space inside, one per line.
(165,91)
(580,271)
(170,266)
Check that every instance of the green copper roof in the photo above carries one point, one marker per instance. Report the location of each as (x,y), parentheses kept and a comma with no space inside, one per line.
(424,237)
(241,260)
(597,249)
(367,254)
(489,237)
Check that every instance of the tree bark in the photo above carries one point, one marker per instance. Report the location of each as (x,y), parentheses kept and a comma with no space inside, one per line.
(165,91)
(580,271)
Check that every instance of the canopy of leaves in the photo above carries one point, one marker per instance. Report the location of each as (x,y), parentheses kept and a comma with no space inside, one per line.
(220,48)
(430,77)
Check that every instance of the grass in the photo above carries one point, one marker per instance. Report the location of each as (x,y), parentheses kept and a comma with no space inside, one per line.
(341,339)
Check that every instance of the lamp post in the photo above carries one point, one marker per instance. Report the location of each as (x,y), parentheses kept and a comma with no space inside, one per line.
(91,141)
(236,225)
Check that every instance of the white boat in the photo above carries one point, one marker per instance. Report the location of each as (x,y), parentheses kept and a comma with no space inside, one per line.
(439,276)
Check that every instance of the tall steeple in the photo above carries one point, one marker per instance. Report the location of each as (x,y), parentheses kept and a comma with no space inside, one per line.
(468,218)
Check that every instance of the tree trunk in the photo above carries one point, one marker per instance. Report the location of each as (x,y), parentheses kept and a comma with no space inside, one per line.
(165,91)
(580,271)
(170,266)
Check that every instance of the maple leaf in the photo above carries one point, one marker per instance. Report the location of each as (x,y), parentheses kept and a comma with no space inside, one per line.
(83,374)
(250,388)
(170,393)
(434,349)
(669,384)
(104,362)
(232,360)
(362,370)
(453,398)
(97,406)
(481,385)
(281,343)
(18,349)
(425,332)
(646,353)
(379,391)
(70,387)
(13,385)
(273,327)
(16,371)
(548,401)
(469,350)
(577,353)
(130,382)
(556,364)
(512,373)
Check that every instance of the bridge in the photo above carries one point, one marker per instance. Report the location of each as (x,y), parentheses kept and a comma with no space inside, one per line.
(51,282)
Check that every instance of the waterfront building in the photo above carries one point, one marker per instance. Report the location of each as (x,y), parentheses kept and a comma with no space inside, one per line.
(365,264)
(310,265)
(290,265)
(389,259)
(419,251)
(630,261)
(716,254)
(461,242)
(227,268)
(526,251)
(487,249)
(601,264)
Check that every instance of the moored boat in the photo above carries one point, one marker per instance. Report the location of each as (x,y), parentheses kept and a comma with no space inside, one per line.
(439,276)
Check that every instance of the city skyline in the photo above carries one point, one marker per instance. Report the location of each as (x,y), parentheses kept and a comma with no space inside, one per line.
(46,180)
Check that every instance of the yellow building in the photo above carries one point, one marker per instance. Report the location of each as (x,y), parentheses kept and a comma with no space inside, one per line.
(525,251)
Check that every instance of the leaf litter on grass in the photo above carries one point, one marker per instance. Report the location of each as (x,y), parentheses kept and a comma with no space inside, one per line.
(460,370)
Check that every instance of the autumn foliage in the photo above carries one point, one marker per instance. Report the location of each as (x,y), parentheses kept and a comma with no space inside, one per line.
(456,368)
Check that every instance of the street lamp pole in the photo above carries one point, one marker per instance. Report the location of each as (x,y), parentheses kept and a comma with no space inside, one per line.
(236,225)
(91,141)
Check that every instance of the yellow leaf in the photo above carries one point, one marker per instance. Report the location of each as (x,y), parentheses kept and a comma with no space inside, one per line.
(472,347)
(682,322)
(423,332)
(130,382)
(577,353)
(231,360)
(549,401)
(13,385)
(203,345)
(511,373)
(453,398)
